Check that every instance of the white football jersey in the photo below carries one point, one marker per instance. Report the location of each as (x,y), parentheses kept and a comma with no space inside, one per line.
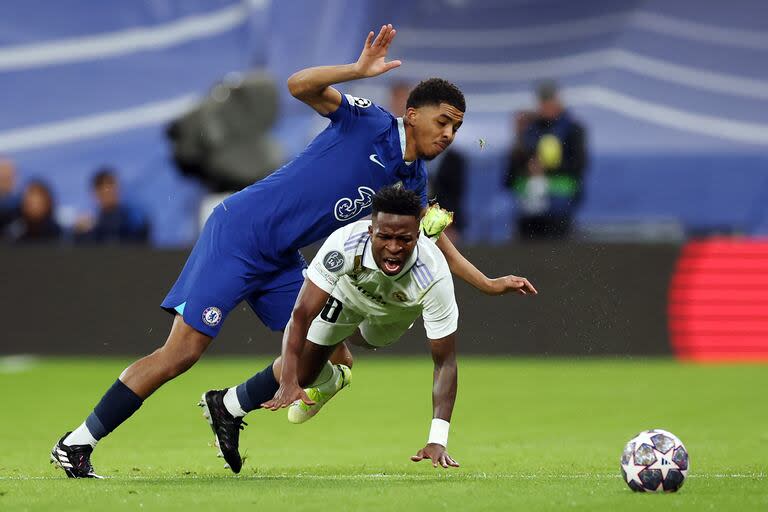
(344,267)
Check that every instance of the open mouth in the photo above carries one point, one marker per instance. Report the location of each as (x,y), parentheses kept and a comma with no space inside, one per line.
(392,265)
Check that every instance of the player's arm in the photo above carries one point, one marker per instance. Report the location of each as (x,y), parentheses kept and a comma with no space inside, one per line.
(308,305)
(434,220)
(462,268)
(313,85)
(445,383)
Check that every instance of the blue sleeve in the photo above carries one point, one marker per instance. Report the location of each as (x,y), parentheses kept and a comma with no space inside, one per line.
(421,186)
(342,113)
(353,109)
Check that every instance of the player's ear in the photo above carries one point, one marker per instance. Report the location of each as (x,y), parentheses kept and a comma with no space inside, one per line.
(410,115)
(370,229)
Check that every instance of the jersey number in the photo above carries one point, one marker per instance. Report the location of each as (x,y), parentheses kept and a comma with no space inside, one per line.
(332,310)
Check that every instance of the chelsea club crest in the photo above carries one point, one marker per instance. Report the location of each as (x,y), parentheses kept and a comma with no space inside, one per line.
(212,316)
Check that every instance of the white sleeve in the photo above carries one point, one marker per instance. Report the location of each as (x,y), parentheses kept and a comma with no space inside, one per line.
(441,314)
(330,262)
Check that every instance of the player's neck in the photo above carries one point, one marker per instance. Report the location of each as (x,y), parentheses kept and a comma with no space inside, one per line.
(410,145)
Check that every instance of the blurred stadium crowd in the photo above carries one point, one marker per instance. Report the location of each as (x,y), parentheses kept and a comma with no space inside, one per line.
(640,120)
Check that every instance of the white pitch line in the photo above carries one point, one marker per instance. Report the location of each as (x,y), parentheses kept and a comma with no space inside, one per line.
(405,476)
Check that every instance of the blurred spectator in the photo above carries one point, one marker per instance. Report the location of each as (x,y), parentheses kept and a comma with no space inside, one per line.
(9,196)
(116,221)
(36,222)
(546,167)
(447,172)
(523,120)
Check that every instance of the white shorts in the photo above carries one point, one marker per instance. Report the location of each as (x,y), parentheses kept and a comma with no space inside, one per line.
(338,322)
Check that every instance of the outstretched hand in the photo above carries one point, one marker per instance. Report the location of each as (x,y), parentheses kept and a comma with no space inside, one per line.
(437,454)
(371,61)
(506,284)
(285,396)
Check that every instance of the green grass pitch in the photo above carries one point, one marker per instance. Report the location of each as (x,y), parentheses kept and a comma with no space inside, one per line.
(529,434)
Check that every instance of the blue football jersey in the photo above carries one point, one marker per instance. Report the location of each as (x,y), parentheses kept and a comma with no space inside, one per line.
(329,184)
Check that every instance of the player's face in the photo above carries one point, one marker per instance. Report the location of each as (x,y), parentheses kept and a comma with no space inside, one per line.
(393,239)
(434,128)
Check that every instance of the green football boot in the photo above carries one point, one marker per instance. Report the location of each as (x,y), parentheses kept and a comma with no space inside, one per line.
(299,412)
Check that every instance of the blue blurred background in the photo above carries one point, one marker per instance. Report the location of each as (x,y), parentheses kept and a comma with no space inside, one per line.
(674,97)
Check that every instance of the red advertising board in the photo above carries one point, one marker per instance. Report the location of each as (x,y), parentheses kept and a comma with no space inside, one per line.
(718,301)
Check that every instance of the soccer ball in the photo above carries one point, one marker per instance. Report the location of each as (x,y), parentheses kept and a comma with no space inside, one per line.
(654,461)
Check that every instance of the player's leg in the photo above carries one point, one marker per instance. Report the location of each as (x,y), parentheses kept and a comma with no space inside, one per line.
(273,304)
(209,286)
(328,331)
(225,408)
(181,350)
(342,355)
(370,336)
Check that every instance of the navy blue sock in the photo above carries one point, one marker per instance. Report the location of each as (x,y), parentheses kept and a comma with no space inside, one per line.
(257,390)
(116,406)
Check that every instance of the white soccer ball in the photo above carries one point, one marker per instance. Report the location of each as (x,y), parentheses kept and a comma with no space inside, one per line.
(654,461)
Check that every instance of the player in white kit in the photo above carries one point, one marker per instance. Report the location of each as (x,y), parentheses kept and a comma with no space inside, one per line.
(376,277)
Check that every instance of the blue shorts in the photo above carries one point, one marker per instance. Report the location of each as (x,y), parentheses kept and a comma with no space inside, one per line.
(224,269)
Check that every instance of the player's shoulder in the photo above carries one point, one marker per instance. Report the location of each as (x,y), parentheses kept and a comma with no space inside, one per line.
(353,234)
(366,110)
(339,252)
(365,105)
(358,102)
(430,264)
(348,241)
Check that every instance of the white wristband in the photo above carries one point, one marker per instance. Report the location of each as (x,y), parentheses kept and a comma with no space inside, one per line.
(438,434)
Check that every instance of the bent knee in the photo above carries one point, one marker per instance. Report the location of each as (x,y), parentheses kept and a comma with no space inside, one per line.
(180,355)
(174,364)
(342,355)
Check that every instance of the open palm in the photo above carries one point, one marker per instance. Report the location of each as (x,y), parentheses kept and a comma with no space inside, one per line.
(371,61)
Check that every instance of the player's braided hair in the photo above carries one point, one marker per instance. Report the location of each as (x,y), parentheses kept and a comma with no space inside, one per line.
(435,91)
(397,201)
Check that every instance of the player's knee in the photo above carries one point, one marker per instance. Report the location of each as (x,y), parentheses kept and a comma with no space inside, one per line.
(183,349)
(347,359)
(177,361)
(342,355)
(180,363)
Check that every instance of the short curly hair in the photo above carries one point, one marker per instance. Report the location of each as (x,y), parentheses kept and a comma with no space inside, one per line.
(435,91)
(397,201)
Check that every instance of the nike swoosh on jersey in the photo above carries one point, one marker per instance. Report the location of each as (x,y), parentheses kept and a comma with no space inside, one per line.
(374,158)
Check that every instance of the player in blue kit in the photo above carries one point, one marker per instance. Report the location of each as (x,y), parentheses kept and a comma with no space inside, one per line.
(248,249)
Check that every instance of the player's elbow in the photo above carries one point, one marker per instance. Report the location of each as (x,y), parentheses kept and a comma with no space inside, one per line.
(296,86)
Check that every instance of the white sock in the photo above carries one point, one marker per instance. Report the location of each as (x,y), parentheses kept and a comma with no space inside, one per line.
(327,374)
(233,404)
(81,435)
